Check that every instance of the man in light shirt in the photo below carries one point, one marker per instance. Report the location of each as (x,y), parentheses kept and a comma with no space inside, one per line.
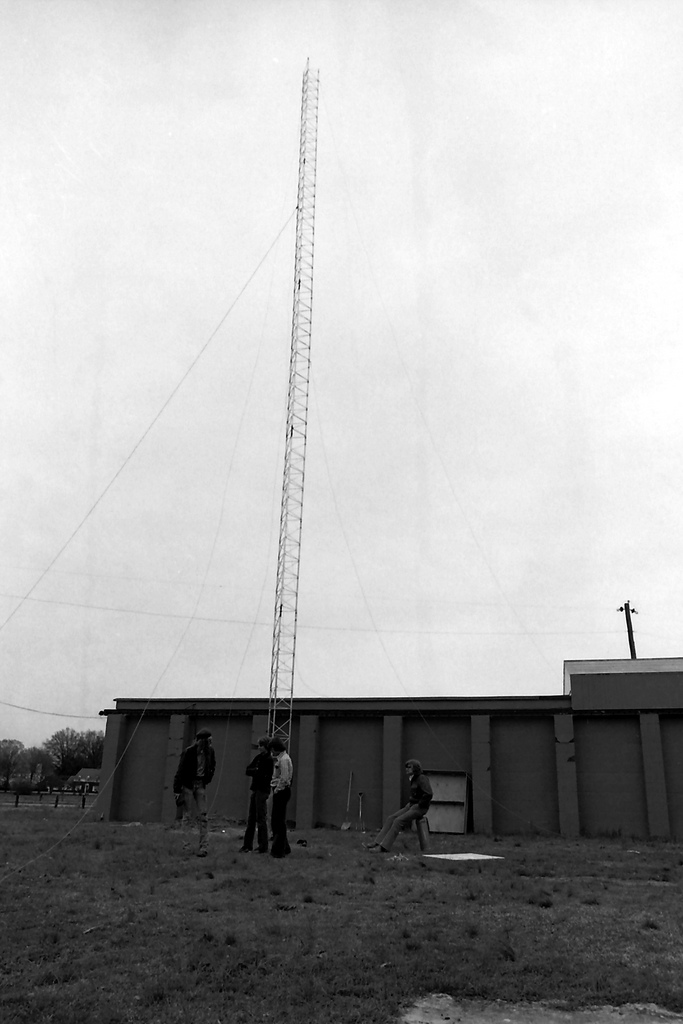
(281,787)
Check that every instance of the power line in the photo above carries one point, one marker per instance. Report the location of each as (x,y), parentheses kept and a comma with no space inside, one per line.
(52,714)
(253,623)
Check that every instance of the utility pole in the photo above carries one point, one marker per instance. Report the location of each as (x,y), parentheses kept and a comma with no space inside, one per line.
(291,511)
(628,611)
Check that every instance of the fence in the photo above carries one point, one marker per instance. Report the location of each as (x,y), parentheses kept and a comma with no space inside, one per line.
(28,801)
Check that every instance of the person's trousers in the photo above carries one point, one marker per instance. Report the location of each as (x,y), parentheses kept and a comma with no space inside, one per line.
(395,822)
(278,823)
(195,799)
(257,821)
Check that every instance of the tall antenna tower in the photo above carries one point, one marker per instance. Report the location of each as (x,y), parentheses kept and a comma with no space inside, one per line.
(291,510)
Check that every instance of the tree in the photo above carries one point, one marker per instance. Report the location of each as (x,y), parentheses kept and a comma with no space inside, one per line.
(10,761)
(37,763)
(92,746)
(64,749)
(71,750)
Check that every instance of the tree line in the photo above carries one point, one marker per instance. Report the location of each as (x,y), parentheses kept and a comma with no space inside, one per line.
(63,755)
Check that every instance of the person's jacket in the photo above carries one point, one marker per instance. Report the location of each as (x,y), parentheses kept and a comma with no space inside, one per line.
(420,791)
(261,772)
(186,775)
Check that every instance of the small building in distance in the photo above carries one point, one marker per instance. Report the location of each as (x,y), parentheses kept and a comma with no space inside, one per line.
(604,757)
(87,780)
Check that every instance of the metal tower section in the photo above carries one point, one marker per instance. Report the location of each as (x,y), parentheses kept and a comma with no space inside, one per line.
(291,511)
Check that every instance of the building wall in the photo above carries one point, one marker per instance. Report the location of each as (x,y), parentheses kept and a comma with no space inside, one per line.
(228,794)
(672,748)
(445,744)
(609,766)
(523,775)
(568,764)
(349,749)
(141,782)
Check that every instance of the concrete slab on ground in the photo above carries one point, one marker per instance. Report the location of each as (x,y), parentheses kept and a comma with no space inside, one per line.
(462,856)
(439,1008)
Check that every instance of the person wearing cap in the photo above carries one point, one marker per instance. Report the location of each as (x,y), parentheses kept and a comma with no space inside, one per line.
(261,771)
(195,772)
(416,808)
(281,785)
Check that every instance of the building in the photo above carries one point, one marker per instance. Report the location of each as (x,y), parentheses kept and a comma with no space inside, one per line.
(87,780)
(603,757)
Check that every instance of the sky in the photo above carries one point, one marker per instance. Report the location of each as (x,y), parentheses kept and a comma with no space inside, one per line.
(495,426)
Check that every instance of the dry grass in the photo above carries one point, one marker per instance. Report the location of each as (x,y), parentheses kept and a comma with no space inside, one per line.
(118,924)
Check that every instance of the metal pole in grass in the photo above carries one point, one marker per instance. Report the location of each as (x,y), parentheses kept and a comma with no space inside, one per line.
(347,823)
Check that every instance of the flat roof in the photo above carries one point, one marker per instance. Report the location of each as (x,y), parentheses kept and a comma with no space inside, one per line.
(619,666)
(337,705)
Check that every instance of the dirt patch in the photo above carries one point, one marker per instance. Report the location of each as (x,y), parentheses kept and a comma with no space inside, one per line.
(438,1008)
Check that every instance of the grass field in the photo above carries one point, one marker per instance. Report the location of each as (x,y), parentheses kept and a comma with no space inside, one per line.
(118,923)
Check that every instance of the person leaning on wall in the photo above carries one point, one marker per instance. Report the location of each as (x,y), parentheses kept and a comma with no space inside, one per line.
(281,786)
(416,808)
(195,772)
(261,771)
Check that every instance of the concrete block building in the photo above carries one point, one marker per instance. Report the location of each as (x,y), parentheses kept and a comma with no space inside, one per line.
(603,757)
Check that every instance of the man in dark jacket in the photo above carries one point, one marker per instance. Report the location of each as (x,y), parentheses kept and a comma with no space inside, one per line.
(195,772)
(261,771)
(416,808)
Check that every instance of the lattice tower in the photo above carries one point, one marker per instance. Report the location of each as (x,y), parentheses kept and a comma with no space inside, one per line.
(291,511)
